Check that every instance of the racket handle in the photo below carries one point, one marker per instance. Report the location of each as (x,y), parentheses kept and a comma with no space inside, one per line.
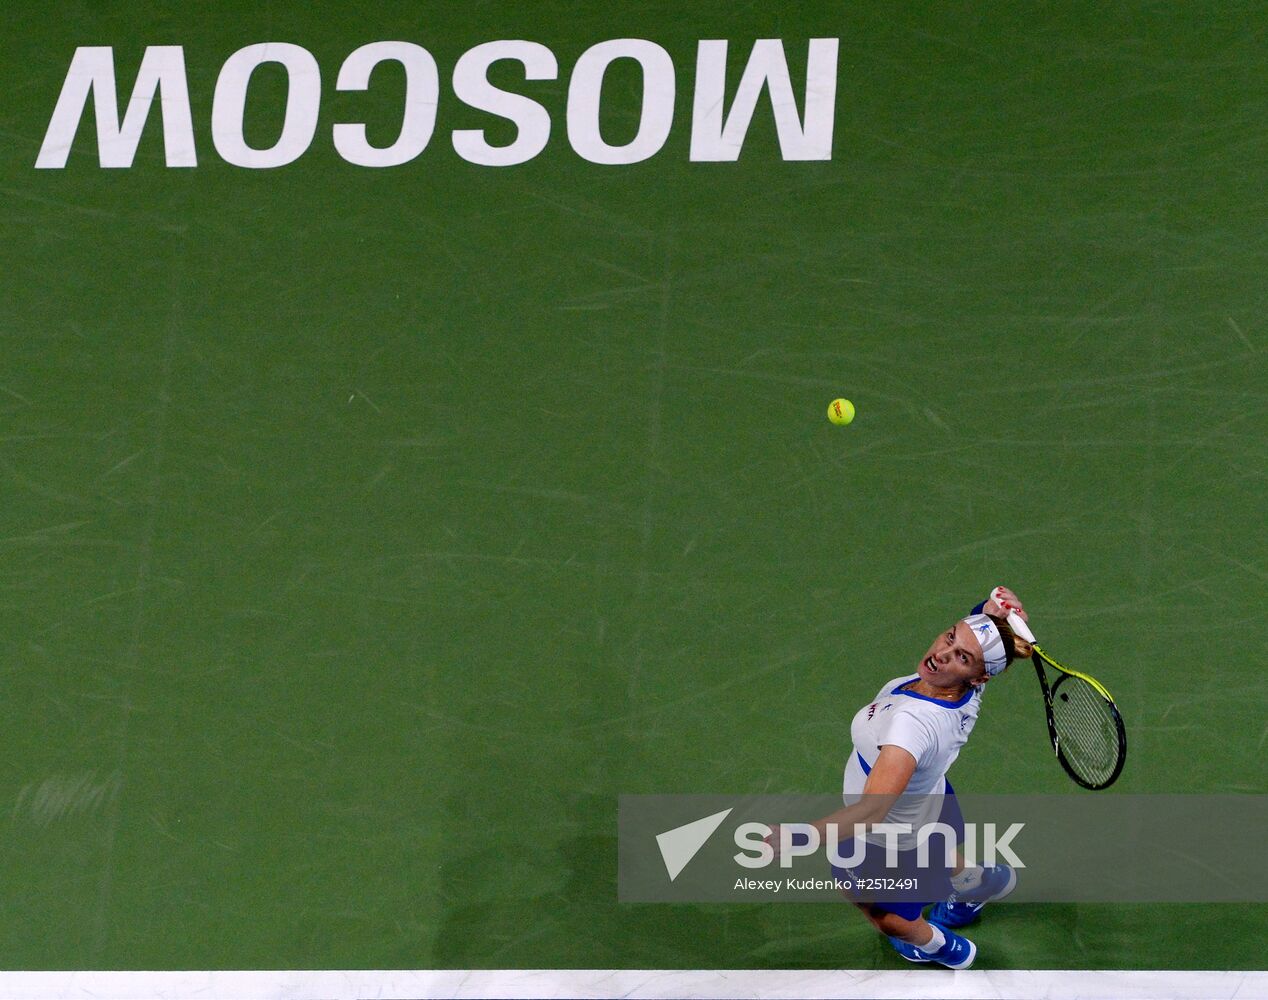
(1020,628)
(1015,622)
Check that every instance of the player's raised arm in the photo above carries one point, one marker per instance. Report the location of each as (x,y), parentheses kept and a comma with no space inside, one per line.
(1003,601)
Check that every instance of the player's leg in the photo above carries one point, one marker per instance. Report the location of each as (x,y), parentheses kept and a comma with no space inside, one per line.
(918,940)
(972,886)
(913,937)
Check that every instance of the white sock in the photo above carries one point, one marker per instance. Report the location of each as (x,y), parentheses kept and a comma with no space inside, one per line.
(935,942)
(968,879)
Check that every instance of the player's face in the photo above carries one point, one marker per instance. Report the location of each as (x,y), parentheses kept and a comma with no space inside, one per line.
(954,659)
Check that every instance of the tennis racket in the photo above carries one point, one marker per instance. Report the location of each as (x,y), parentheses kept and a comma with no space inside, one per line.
(1084,724)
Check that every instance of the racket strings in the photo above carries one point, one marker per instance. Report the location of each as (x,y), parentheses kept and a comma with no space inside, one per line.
(1087,728)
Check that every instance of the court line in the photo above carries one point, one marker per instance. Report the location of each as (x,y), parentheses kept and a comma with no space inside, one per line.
(601,984)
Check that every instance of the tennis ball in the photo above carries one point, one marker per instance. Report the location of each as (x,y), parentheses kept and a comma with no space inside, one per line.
(841,411)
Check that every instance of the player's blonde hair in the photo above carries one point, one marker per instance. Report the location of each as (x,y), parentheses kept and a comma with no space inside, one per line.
(1015,646)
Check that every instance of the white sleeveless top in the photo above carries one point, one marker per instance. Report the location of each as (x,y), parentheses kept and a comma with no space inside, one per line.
(931,730)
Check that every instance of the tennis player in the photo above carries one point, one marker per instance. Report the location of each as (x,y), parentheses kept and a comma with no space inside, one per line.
(905,741)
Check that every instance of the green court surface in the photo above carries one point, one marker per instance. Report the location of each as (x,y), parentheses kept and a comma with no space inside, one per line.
(366,532)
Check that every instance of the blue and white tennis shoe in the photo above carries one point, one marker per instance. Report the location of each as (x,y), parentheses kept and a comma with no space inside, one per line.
(908,951)
(956,953)
(962,908)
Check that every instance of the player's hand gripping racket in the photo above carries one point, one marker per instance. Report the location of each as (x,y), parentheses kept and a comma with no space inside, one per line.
(1083,722)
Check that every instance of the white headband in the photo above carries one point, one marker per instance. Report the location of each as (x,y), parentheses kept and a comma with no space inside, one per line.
(990,640)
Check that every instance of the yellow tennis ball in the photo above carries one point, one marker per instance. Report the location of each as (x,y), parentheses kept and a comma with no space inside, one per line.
(841,411)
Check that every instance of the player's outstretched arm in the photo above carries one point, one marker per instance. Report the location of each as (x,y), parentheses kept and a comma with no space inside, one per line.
(888,780)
